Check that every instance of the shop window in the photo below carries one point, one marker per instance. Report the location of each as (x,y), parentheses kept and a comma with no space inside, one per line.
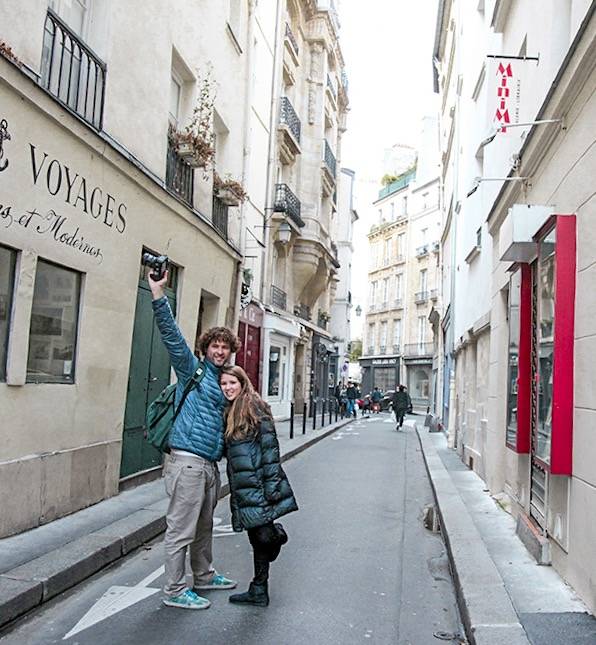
(555,333)
(274,371)
(7,273)
(546,320)
(54,323)
(519,359)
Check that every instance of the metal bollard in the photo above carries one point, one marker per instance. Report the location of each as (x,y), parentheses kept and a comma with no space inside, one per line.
(314,414)
(304,418)
(322,413)
(292,420)
(336,406)
(330,412)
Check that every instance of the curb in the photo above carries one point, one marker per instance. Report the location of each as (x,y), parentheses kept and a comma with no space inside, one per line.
(486,609)
(31,584)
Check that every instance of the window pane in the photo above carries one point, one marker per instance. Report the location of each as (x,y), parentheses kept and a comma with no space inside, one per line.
(7,264)
(274,370)
(54,320)
(514,330)
(546,298)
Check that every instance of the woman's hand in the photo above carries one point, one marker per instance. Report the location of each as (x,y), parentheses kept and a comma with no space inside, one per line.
(157,286)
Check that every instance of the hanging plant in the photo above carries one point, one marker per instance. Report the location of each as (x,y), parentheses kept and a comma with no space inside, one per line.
(196,143)
(230,191)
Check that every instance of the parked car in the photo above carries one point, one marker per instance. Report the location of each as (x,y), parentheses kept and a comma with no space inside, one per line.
(386,400)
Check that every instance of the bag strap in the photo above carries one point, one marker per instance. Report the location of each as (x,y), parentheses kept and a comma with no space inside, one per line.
(193,381)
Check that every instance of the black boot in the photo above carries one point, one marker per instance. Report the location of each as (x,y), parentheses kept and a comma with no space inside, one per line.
(257,593)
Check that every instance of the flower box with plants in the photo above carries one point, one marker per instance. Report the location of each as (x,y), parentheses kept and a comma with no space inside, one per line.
(195,145)
(230,191)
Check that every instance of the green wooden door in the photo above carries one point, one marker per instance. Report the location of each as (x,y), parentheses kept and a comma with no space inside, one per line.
(148,374)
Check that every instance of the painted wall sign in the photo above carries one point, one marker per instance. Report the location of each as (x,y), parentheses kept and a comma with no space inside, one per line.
(77,198)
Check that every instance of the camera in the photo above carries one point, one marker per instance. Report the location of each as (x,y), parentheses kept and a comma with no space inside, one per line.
(157,263)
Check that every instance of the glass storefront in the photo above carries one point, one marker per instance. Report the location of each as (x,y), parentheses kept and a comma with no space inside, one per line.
(54,321)
(546,319)
(514,333)
(7,267)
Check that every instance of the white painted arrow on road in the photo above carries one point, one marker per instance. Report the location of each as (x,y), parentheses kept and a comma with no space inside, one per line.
(114,600)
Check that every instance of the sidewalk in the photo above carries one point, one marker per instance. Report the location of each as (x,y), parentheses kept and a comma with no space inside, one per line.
(505,597)
(41,563)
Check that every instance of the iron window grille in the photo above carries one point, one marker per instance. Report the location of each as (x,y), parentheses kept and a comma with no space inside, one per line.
(71,72)
(279,297)
(286,202)
(329,159)
(289,117)
(290,36)
(220,217)
(179,175)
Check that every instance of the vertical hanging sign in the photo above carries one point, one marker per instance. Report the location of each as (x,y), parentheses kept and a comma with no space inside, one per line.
(508,90)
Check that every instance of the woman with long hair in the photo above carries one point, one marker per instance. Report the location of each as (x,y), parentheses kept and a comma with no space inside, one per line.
(259,489)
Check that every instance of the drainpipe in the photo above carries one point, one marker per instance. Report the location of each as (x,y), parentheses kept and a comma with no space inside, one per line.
(452,436)
(246,152)
(271,159)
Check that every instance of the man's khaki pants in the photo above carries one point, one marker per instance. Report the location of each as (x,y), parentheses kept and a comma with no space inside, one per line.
(192,484)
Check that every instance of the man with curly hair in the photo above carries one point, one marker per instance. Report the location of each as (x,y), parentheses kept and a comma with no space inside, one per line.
(196,445)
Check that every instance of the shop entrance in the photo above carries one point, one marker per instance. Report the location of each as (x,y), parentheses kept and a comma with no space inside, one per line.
(148,374)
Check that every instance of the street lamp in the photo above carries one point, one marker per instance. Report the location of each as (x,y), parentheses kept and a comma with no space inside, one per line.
(358,310)
(284,232)
(478,180)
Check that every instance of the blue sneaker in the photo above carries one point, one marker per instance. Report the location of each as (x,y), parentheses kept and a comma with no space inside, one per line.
(187,600)
(218,582)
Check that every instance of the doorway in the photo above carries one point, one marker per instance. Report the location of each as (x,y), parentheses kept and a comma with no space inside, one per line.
(148,374)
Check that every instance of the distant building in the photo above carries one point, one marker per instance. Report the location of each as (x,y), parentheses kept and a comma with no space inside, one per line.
(403,280)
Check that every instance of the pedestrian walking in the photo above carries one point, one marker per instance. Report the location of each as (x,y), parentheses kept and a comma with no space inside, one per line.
(196,445)
(376,397)
(351,396)
(401,404)
(259,489)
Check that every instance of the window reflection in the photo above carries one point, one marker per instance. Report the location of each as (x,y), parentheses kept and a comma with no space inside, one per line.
(546,313)
(7,265)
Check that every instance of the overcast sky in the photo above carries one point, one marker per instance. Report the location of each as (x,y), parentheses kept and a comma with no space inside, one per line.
(387,47)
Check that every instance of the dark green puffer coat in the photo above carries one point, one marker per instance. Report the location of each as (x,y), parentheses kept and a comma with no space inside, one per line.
(259,489)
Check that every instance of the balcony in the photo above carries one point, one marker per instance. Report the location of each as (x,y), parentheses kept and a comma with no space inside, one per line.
(436,247)
(290,130)
(370,351)
(398,303)
(399,184)
(302,311)
(328,170)
(179,176)
(291,44)
(372,308)
(279,298)
(323,319)
(396,348)
(421,251)
(382,349)
(418,349)
(286,202)
(434,294)
(421,297)
(219,217)
(71,72)
(331,90)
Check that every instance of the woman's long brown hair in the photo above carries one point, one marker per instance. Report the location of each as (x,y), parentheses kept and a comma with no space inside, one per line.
(243,415)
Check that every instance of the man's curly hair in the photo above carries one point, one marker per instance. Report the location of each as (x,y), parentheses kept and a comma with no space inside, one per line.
(222,334)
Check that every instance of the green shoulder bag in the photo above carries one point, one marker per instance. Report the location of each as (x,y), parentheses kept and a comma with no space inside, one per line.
(162,413)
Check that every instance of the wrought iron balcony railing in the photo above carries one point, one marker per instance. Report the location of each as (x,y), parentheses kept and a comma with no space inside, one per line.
(71,72)
(329,159)
(302,311)
(180,176)
(288,117)
(279,297)
(434,294)
(421,251)
(370,350)
(421,297)
(286,202)
(436,247)
(220,216)
(331,88)
(382,349)
(322,320)
(396,348)
(290,36)
(418,349)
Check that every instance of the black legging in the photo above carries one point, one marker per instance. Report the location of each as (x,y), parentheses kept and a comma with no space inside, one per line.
(266,546)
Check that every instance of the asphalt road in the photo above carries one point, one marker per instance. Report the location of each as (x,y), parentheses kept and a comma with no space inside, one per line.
(359,567)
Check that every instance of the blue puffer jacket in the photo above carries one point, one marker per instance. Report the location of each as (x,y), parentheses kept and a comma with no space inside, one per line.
(199,425)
